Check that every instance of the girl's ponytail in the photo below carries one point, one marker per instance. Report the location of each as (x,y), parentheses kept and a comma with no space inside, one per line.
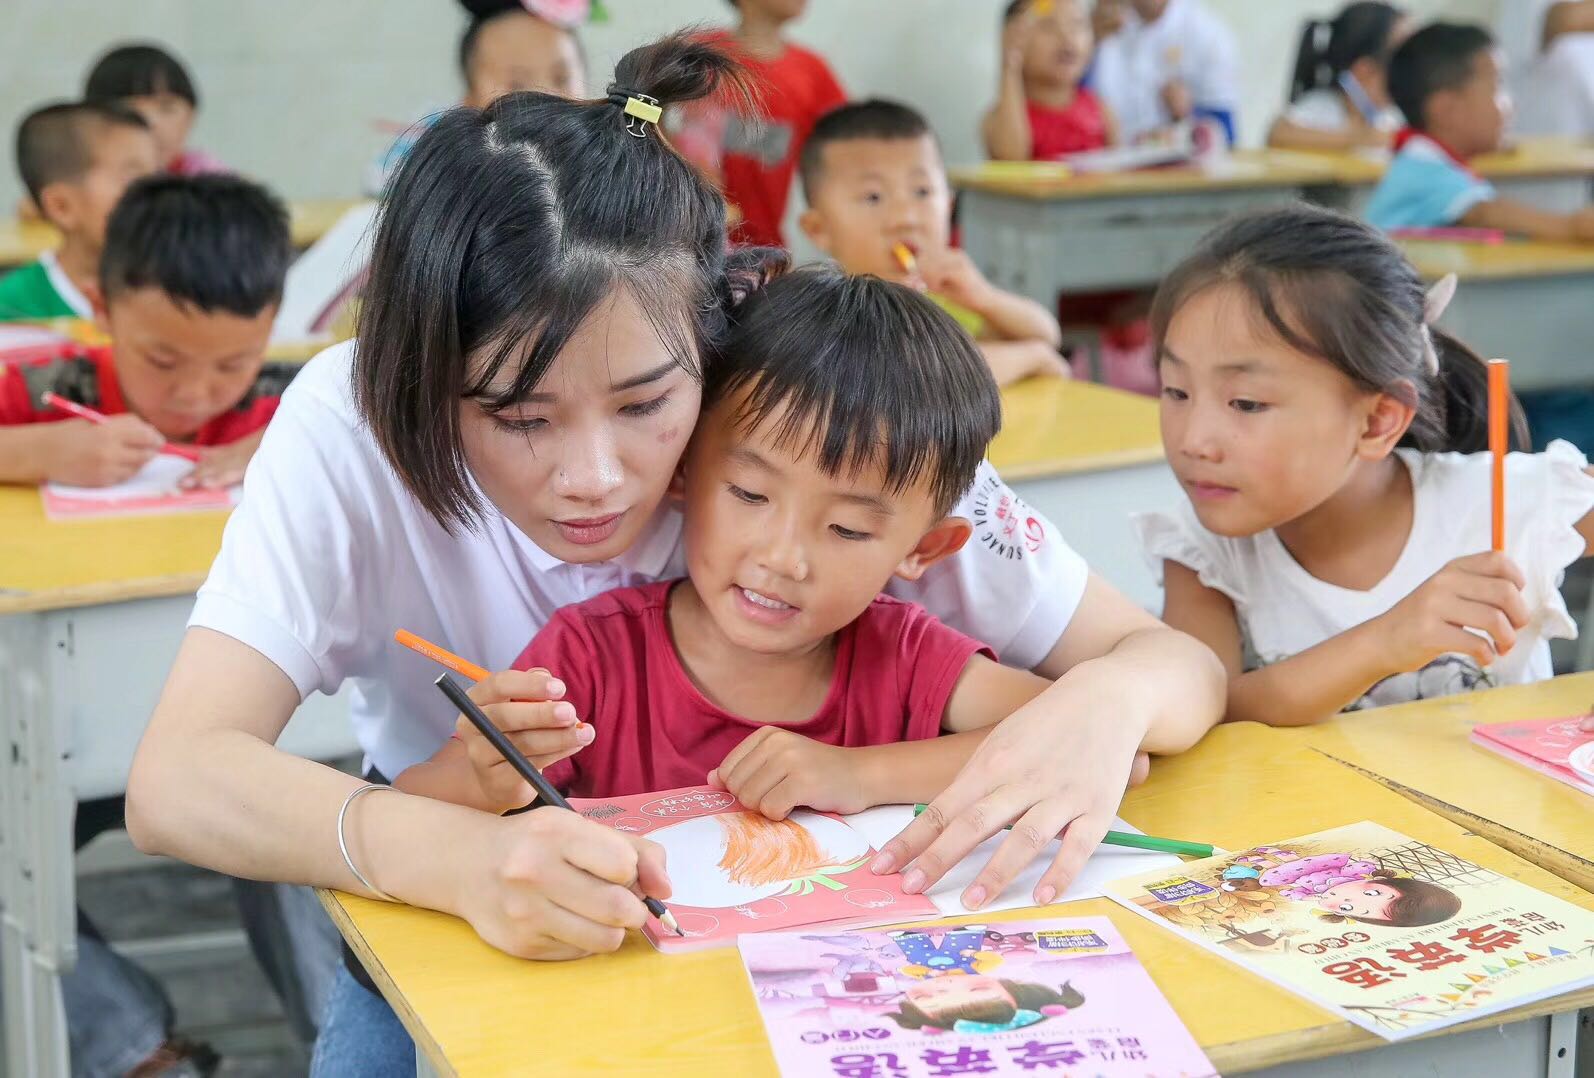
(1310,71)
(1462,383)
(675,70)
(1330,46)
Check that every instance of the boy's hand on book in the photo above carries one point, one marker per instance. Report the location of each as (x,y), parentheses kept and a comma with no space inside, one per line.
(525,705)
(220,467)
(1478,592)
(774,771)
(560,886)
(85,454)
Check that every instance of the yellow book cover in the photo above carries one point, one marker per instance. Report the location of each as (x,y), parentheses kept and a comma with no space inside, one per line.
(1397,936)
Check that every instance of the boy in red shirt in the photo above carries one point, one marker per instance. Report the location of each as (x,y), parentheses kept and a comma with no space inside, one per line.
(1042,113)
(839,424)
(189,283)
(754,155)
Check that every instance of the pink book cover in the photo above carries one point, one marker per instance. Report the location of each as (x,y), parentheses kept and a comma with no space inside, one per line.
(734,871)
(1545,745)
(1062,996)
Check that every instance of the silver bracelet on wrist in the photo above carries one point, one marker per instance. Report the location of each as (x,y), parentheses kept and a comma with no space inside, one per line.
(343,845)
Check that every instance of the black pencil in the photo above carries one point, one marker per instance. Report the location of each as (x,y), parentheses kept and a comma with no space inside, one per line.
(517,760)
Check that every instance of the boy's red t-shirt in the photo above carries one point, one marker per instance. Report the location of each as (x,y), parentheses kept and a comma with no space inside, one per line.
(896,666)
(89,378)
(1079,127)
(793,91)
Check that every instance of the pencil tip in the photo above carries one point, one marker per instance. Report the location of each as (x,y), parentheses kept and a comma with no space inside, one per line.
(669,921)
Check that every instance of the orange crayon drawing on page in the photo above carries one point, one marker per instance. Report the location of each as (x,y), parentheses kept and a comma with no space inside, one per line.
(760,850)
(733,870)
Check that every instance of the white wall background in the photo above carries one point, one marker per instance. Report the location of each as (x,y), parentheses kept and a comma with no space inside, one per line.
(294,92)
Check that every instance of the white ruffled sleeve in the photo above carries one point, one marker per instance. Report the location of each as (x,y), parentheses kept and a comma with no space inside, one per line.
(1557,494)
(1178,536)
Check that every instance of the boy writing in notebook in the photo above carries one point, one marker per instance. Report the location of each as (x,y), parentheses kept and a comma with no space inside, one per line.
(879,202)
(1449,83)
(76,159)
(188,285)
(844,419)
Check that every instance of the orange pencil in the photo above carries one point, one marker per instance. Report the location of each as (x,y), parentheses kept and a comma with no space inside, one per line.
(905,257)
(1499,429)
(441,656)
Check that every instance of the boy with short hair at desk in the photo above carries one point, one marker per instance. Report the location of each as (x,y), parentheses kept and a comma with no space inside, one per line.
(188,285)
(76,159)
(1447,80)
(879,202)
(1042,111)
(841,423)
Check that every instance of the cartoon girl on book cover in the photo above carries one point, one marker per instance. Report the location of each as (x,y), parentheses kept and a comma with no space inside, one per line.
(1343,887)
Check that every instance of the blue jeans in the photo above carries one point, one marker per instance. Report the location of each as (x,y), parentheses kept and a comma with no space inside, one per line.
(361,1037)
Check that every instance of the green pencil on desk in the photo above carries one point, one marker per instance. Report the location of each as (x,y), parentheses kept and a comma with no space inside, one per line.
(1138,842)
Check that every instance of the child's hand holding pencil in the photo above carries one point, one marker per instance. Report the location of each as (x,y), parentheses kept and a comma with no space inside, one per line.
(526,706)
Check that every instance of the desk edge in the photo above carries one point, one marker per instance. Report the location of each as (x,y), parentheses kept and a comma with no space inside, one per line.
(390,991)
(79,595)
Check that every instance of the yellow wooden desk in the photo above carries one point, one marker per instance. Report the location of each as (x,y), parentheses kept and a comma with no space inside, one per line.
(1532,158)
(1526,301)
(308,221)
(1242,168)
(1086,456)
(91,613)
(1039,235)
(470,1007)
(1423,751)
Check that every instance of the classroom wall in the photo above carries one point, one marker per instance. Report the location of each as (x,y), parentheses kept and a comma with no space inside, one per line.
(296,91)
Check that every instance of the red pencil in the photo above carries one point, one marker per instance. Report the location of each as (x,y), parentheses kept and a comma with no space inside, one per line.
(187,452)
(1499,428)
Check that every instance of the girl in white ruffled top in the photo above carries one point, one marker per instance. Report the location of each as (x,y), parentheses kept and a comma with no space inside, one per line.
(1334,548)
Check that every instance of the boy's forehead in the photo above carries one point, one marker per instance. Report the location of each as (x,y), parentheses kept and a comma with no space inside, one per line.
(108,141)
(855,157)
(161,320)
(777,439)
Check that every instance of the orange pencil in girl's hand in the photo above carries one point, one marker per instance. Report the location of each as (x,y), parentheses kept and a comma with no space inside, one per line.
(905,257)
(1499,442)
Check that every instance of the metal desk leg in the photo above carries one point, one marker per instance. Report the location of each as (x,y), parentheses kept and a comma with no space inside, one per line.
(37,928)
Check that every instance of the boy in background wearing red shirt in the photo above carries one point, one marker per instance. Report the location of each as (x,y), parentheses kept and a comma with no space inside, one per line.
(1042,113)
(753,155)
(189,282)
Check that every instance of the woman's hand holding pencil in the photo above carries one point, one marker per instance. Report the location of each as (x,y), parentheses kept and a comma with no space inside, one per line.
(564,887)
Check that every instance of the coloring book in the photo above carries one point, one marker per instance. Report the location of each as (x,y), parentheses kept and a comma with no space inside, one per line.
(1545,745)
(1395,935)
(735,871)
(1061,996)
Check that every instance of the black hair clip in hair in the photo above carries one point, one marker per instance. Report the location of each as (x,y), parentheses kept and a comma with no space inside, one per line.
(640,109)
